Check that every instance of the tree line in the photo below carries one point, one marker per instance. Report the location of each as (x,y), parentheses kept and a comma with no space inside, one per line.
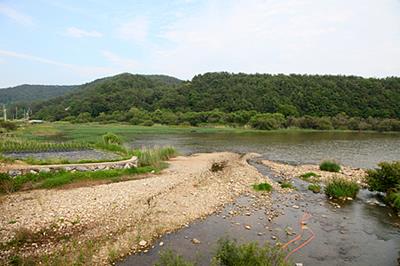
(309,101)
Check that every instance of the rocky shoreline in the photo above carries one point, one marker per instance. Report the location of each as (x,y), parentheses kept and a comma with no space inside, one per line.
(113,220)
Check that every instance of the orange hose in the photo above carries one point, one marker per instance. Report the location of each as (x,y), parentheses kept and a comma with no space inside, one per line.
(305,217)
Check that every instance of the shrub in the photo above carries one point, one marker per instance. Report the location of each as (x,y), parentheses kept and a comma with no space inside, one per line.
(267,121)
(329,166)
(148,123)
(340,188)
(384,178)
(154,157)
(262,187)
(314,188)
(110,138)
(229,253)
(6,183)
(7,125)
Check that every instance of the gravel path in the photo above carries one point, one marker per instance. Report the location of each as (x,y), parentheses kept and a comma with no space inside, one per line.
(125,217)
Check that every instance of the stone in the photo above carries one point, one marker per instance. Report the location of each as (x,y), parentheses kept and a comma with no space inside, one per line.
(142,243)
(127,166)
(248,227)
(195,241)
(33,172)
(273,237)
(45,170)
(161,244)
(295,207)
(14,173)
(81,169)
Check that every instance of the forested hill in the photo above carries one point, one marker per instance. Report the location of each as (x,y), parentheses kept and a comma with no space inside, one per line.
(296,95)
(30,93)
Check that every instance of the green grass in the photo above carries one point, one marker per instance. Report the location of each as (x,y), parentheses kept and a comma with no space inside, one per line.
(314,188)
(310,177)
(262,187)
(393,198)
(154,156)
(230,253)
(329,166)
(14,144)
(287,185)
(57,179)
(169,258)
(340,188)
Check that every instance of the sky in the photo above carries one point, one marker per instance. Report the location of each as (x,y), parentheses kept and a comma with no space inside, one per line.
(73,42)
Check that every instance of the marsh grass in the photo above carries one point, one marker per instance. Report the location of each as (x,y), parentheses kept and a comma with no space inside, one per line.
(262,187)
(155,157)
(341,188)
(329,166)
(314,188)
(14,144)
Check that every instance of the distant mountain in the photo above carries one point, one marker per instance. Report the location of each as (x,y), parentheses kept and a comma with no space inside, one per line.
(315,95)
(31,93)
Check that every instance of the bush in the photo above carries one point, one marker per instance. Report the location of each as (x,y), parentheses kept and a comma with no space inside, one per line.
(384,178)
(314,188)
(7,125)
(267,121)
(111,138)
(229,253)
(262,187)
(340,188)
(329,166)
(148,123)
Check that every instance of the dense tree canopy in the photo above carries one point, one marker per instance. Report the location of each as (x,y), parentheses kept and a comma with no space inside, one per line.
(290,95)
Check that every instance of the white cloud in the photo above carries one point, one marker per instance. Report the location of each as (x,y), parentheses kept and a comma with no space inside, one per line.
(15,15)
(124,63)
(134,30)
(277,36)
(81,70)
(80,33)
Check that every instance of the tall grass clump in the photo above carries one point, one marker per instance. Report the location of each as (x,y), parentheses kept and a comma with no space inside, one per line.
(309,176)
(341,188)
(113,143)
(155,157)
(262,187)
(314,188)
(14,144)
(169,258)
(229,253)
(329,166)
(386,179)
(111,138)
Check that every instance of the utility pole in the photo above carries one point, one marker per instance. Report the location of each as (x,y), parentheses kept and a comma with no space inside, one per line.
(4,112)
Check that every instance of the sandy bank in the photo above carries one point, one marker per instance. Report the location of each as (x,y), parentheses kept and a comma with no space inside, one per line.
(106,221)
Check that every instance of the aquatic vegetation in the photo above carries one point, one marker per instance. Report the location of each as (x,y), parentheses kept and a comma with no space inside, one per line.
(341,188)
(329,166)
(169,258)
(314,188)
(386,179)
(155,157)
(262,187)
(14,144)
(229,253)
(111,138)
(286,184)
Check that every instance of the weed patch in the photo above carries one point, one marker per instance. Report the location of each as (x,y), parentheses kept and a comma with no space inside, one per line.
(340,188)
(329,166)
(314,188)
(262,187)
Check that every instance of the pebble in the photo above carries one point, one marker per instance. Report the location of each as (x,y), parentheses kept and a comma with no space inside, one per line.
(195,241)
(142,243)
(273,237)
(161,244)
(248,227)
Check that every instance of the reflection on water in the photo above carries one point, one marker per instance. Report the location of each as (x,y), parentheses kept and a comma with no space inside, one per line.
(355,149)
